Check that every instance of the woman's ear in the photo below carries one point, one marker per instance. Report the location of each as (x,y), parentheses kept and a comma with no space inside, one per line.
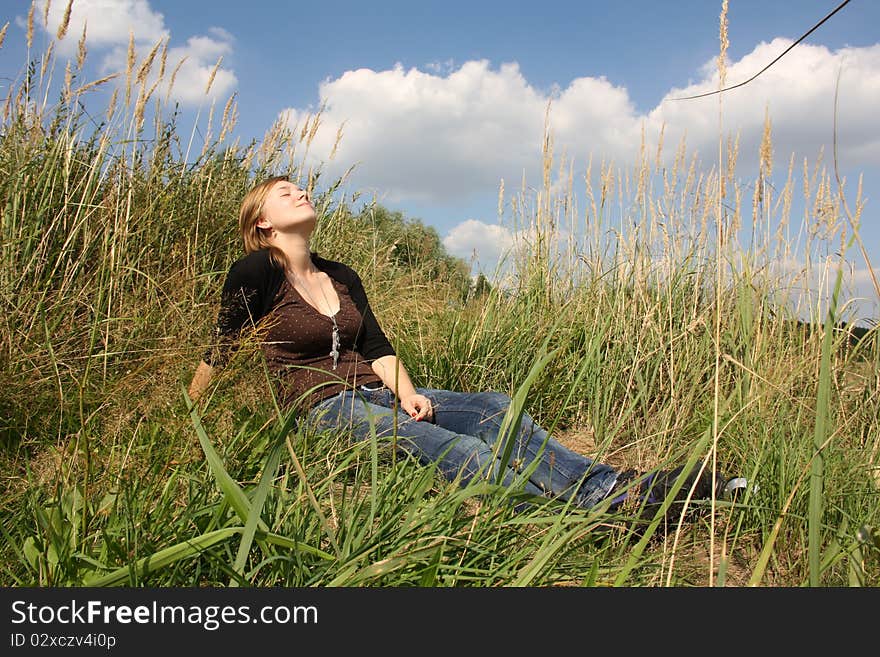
(262,222)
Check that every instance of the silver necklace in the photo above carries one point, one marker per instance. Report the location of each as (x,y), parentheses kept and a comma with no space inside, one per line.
(334,336)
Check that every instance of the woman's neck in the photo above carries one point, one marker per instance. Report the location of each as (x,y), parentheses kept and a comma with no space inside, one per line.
(297,252)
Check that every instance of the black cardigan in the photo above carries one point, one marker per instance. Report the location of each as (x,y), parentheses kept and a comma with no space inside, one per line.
(249,294)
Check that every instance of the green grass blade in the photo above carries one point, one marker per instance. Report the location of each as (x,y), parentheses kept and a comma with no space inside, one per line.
(510,425)
(555,541)
(164,557)
(639,547)
(227,485)
(817,467)
(293,544)
(256,510)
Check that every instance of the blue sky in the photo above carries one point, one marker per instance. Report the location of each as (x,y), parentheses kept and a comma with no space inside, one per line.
(441,101)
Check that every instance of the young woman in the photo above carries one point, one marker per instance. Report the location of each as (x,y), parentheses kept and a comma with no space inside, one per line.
(333,362)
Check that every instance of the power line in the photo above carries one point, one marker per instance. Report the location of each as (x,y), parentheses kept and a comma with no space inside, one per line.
(812,29)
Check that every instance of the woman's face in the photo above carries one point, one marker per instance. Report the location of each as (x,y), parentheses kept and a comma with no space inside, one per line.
(287,208)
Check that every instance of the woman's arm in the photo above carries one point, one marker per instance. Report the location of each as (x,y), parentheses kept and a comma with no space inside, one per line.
(200,380)
(394,375)
(374,346)
(250,283)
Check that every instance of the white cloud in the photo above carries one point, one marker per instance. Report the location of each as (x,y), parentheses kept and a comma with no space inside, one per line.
(427,135)
(107,22)
(193,62)
(808,291)
(495,249)
(863,277)
(421,136)
(798,91)
(108,25)
(485,243)
(441,68)
(200,56)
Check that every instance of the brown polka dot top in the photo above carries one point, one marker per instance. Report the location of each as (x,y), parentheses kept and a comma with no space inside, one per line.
(298,342)
(296,338)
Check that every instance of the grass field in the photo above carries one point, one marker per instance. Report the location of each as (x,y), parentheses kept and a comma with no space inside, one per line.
(658,336)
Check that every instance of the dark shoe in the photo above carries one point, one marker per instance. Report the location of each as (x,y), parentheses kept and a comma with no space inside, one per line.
(644,493)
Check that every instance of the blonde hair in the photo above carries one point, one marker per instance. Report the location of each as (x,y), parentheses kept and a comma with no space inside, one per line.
(254,237)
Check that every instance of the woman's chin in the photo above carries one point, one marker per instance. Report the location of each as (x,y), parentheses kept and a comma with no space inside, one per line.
(306,221)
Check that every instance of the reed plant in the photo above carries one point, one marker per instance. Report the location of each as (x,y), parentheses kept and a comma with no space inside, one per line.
(647,327)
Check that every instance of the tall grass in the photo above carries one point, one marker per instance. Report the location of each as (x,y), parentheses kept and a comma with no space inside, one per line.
(664,324)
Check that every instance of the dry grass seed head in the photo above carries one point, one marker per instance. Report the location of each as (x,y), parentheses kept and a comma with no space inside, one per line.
(47,58)
(163,58)
(140,106)
(227,109)
(213,74)
(737,214)
(316,122)
(30,24)
(230,118)
(148,63)
(129,66)
(65,21)
(658,160)
(111,105)
(337,141)
(68,79)
(767,145)
(7,107)
(81,50)
(501,198)
(732,156)
(173,78)
(96,83)
(722,54)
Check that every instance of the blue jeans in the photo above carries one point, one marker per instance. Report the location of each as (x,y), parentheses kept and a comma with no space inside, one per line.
(461,440)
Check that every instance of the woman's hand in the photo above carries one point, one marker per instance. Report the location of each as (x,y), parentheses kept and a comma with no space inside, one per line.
(394,375)
(200,381)
(418,406)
